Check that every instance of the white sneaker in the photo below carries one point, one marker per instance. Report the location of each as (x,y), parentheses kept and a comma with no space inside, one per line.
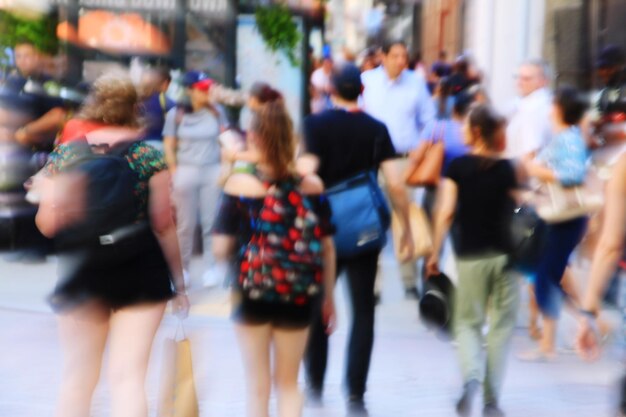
(215,275)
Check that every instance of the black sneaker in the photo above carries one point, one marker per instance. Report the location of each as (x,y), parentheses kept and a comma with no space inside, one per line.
(356,406)
(492,410)
(464,405)
(411,293)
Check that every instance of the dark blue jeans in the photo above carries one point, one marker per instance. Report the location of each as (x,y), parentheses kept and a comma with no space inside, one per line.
(360,275)
(561,240)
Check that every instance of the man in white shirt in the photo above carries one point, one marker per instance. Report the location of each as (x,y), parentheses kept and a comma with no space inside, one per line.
(399,98)
(529,128)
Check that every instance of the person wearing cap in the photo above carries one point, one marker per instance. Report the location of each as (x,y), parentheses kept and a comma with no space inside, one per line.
(340,143)
(609,109)
(399,98)
(192,153)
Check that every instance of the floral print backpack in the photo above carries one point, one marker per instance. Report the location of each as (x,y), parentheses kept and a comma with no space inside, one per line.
(282,261)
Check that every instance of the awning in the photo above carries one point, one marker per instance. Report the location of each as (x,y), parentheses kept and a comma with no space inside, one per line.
(113,32)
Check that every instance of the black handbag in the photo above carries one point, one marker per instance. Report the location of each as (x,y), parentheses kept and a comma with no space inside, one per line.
(527,237)
(436,303)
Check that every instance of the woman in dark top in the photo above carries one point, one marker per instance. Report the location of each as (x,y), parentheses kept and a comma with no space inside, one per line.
(118,291)
(271,328)
(475,195)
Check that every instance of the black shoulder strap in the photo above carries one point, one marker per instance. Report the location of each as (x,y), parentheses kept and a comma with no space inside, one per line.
(120,148)
(377,145)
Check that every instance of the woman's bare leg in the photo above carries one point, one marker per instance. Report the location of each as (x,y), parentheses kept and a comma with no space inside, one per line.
(289,346)
(132,333)
(255,341)
(83,332)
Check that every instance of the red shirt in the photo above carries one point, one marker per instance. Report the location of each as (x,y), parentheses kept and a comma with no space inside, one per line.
(76,129)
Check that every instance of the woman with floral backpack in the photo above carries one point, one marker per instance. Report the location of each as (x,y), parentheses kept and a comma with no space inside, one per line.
(276,228)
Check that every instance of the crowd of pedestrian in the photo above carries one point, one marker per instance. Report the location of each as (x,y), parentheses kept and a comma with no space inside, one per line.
(132,175)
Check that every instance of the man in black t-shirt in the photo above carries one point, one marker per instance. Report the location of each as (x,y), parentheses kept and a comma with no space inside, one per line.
(341,143)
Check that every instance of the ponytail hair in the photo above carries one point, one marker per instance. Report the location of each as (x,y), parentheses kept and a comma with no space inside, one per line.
(487,122)
(274,129)
(264,93)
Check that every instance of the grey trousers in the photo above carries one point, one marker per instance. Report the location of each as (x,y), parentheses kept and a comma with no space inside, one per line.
(196,194)
(485,288)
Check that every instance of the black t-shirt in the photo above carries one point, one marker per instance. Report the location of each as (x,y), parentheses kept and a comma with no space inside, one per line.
(484,204)
(346,143)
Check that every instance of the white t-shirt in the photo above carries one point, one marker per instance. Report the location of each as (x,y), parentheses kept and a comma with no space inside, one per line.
(322,83)
(529,128)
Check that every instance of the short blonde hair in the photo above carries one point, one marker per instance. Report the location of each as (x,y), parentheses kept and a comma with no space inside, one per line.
(113,100)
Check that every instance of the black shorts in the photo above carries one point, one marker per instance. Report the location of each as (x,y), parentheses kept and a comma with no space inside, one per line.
(131,272)
(284,316)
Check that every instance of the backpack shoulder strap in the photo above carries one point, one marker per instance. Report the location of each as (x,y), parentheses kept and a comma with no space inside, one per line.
(180,113)
(163,102)
(121,148)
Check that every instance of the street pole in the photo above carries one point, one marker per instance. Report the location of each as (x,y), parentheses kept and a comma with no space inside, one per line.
(179,42)
(231,44)
(74,54)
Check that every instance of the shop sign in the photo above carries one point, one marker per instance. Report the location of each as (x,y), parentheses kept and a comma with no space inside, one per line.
(197,6)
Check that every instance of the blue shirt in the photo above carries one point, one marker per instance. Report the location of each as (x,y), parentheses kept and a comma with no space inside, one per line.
(404,105)
(451,132)
(154,111)
(566,155)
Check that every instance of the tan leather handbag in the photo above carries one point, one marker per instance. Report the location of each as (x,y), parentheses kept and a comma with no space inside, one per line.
(556,204)
(426,161)
(420,231)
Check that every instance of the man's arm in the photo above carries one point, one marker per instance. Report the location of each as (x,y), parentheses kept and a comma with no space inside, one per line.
(426,111)
(309,161)
(41,131)
(400,203)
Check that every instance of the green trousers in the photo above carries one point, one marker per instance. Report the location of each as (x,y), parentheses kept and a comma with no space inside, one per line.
(485,290)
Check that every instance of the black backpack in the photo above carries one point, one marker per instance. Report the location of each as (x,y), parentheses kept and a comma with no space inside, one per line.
(110,208)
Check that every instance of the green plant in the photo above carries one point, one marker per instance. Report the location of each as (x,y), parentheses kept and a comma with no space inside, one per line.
(40,31)
(278,30)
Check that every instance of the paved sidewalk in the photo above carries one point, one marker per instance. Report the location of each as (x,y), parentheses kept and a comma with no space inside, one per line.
(413,373)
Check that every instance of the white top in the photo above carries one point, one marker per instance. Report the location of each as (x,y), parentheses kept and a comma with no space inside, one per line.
(529,128)
(322,83)
(320,79)
(403,104)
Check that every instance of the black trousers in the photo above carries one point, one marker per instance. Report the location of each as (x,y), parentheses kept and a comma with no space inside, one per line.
(360,274)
